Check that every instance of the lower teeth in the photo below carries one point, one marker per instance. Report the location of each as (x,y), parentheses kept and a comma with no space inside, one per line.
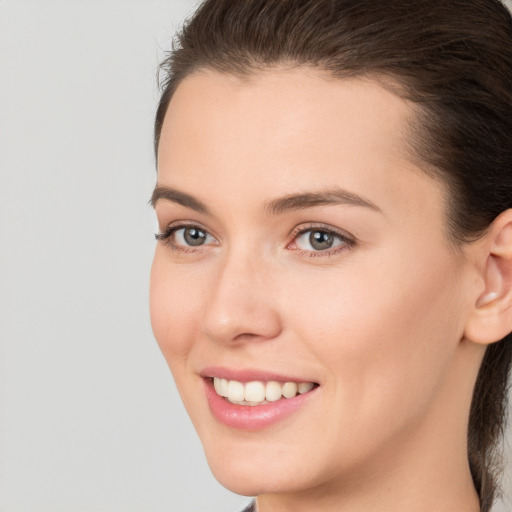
(252,404)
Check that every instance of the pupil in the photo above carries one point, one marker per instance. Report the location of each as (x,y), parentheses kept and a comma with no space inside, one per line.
(320,240)
(194,236)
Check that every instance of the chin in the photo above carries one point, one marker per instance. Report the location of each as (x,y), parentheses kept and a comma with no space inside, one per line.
(252,468)
(246,478)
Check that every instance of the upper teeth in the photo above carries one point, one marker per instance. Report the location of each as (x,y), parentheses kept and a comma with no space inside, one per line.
(257,392)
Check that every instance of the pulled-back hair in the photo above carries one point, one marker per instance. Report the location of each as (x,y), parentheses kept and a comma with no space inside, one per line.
(452,59)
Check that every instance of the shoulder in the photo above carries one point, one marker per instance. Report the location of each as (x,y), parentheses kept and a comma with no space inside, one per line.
(251,507)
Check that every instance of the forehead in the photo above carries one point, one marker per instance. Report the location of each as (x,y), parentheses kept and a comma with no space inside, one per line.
(275,107)
(281,130)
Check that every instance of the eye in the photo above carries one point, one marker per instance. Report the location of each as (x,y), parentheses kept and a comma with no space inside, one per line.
(320,240)
(183,237)
(191,236)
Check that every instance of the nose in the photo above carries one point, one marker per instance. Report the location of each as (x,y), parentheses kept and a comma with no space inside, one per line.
(242,305)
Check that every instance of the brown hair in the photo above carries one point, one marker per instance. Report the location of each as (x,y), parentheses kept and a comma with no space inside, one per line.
(452,59)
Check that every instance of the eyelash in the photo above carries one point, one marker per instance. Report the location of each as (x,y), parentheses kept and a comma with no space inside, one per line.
(347,242)
(166,236)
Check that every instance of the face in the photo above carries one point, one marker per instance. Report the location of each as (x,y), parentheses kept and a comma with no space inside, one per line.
(303,271)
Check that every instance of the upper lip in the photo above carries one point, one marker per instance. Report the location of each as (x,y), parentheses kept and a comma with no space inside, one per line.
(248,375)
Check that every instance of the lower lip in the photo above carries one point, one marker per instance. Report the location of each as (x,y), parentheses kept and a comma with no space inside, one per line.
(252,417)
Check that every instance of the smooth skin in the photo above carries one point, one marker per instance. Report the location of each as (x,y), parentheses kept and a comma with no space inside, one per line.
(392,321)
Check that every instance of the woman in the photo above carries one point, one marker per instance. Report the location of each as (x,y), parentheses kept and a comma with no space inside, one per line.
(332,283)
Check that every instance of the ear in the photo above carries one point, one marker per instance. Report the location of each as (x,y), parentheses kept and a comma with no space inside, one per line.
(491,317)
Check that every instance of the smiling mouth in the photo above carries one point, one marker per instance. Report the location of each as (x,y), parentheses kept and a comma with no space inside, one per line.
(259,392)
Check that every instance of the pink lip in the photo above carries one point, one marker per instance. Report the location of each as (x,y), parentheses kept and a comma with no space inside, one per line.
(248,375)
(255,417)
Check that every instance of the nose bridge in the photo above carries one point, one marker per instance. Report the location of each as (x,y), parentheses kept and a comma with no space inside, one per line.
(241,304)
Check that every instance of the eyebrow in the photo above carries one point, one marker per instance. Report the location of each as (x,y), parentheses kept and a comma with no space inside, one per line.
(292,202)
(176,196)
(331,196)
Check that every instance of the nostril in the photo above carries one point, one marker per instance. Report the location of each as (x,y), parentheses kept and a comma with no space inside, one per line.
(246,336)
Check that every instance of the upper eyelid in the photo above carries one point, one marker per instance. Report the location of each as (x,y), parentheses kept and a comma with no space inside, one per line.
(181,224)
(304,228)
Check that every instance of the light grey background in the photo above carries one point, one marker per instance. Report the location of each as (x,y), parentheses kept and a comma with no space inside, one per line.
(89,418)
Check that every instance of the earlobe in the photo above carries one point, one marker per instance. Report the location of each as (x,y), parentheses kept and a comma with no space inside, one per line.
(491,317)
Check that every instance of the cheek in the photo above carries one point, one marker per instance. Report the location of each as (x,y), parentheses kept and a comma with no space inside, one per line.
(381,329)
(173,301)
